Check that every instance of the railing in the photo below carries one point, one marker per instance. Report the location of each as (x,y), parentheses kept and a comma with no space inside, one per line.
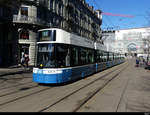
(29,20)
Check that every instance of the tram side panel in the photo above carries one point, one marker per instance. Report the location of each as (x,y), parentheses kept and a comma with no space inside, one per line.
(46,76)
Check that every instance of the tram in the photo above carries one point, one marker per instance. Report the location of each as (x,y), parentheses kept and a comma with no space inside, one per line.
(62,57)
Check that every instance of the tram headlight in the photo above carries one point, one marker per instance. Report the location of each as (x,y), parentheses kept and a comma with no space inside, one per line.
(41,65)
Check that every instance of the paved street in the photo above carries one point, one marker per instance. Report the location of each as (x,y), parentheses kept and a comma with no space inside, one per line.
(129,91)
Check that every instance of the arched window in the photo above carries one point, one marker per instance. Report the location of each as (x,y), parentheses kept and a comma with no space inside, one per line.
(132,47)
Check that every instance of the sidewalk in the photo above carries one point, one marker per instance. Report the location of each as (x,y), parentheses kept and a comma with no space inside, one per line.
(14,70)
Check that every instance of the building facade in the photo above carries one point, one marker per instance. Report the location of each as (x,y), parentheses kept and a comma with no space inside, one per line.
(28,21)
(131,42)
(74,16)
(7,42)
(108,38)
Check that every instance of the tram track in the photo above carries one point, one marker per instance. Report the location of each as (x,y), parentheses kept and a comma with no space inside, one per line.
(18,90)
(24,95)
(122,95)
(81,88)
(98,90)
(38,90)
(20,84)
(15,79)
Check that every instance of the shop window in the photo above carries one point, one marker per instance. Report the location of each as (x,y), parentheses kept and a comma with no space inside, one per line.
(24,35)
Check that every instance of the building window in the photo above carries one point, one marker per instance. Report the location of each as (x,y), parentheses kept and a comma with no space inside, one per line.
(51,4)
(24,35)
(24,11)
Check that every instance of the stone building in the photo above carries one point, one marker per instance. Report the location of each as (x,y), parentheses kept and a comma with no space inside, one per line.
(131,42)
(134,41)
(7,42)
(108,38)
(28,20)
(74,16)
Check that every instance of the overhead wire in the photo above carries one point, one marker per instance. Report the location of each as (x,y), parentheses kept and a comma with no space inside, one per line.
(110,22)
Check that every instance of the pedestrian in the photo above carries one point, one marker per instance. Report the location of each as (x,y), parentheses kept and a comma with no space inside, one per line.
(137,62)
(22,60)
(16,57)
(27,61)
(140,62)
(143,62)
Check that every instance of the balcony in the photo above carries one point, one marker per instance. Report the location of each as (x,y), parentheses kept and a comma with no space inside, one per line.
(29,20)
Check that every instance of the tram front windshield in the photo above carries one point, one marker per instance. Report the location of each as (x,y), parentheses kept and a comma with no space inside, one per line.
(53,56)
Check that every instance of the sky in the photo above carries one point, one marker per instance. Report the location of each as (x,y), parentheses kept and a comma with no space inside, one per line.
(137,8)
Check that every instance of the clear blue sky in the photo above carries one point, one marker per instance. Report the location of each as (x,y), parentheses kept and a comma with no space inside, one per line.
(137,8)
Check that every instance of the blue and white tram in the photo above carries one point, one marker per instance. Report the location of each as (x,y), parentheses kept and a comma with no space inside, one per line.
(63,56)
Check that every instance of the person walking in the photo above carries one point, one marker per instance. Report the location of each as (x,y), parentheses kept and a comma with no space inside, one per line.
(137,62)
(27,61)
(22,60)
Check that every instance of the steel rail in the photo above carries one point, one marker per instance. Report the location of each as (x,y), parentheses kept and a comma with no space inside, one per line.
(70,94)
(98,90)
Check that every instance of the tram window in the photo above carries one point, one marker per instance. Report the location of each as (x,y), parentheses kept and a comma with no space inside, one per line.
(46,55)
(104,56)
(110,56)
(62,56)
(87,56)
(91,56)
(53,55)
(82,56)
(99,56)
(74,56)
(113,56)
(47,35)
(116,56)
